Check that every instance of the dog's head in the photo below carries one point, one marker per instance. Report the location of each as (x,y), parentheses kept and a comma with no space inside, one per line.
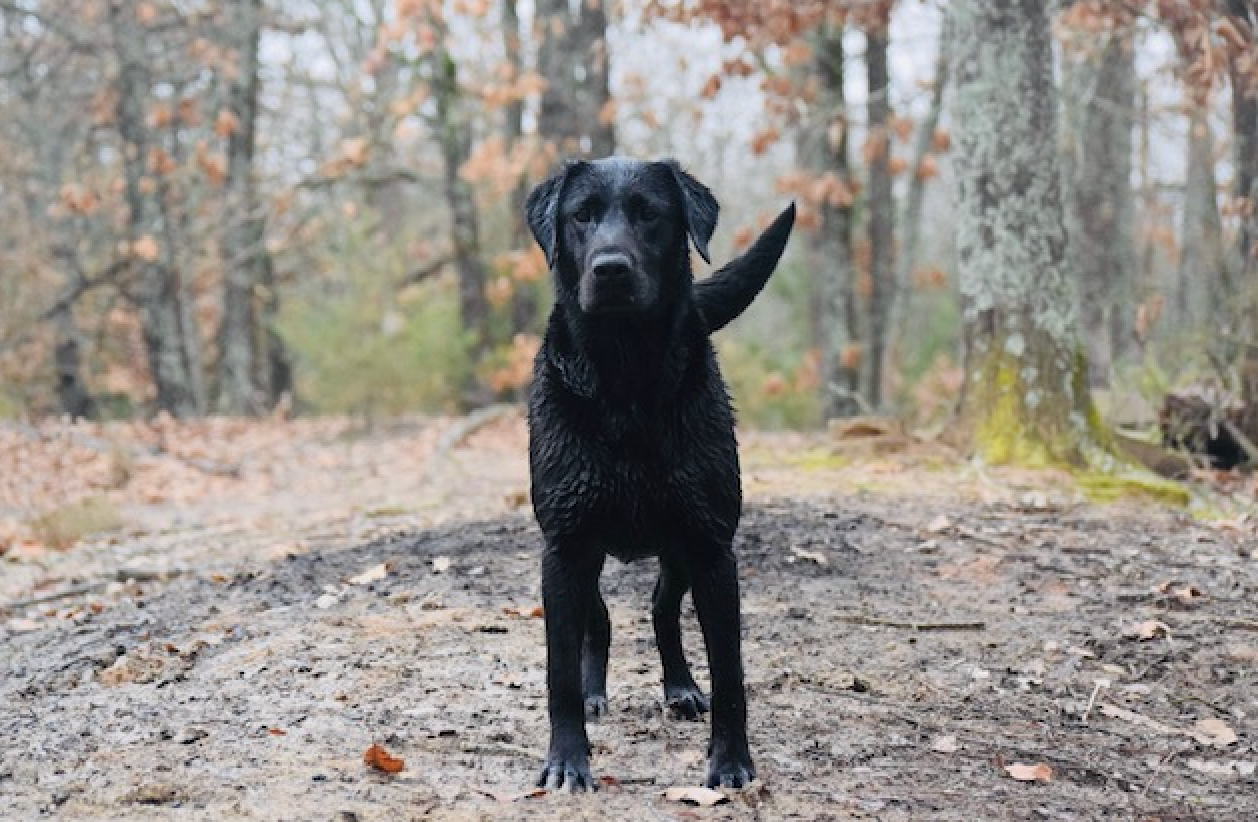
(615,231)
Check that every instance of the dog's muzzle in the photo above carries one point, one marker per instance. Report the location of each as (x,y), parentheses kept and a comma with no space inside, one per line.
(610,284)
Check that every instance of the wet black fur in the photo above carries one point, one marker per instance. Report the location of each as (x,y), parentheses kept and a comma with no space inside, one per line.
(632,450)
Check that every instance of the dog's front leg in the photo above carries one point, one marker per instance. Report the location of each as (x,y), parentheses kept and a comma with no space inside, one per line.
(714,586)
(569,586)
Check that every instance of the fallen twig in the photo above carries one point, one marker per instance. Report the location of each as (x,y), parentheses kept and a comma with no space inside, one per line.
(469,425)
(861,619)
(77,590)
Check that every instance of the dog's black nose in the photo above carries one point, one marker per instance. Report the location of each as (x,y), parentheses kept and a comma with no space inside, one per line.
(611,266)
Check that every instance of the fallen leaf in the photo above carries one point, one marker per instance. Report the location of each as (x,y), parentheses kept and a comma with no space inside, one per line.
(945,744)
(1149,629)
(536,612)
(378,758)
(373,574)
(811,556)
(440,565)
(1230,769)
(1030,773)
(276,731)
(610,783)
(1215,732)
(694,795)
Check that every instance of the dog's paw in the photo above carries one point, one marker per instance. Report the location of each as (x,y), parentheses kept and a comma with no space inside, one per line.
(730,771)
(685,702)
(596,706)
(566,775)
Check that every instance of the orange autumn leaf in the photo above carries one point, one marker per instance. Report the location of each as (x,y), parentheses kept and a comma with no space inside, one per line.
(378,758)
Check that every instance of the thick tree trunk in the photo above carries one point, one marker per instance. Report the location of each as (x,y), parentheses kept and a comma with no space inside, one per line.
(823,148)
(244,346)
(1022,399)
(1100,214)
(881,212)
(572,56)
(158,295)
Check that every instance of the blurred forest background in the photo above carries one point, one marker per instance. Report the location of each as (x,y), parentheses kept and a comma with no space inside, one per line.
(255,206)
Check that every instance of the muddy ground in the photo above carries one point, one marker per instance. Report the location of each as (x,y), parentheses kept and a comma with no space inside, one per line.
(904,653)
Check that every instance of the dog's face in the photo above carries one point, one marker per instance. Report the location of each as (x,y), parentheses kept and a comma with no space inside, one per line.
(614,231)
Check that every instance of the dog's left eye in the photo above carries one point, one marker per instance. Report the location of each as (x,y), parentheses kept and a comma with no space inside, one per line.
(645,213)
(582,214)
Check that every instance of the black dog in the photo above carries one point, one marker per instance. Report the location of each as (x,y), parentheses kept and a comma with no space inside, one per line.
(631,446)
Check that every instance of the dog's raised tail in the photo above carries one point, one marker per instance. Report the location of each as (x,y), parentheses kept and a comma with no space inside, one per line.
(728,292)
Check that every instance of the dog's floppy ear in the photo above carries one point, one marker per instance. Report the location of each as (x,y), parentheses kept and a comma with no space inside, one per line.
(700,207)
(542,211)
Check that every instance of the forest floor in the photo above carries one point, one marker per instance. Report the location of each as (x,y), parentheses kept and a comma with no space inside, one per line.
(925,639)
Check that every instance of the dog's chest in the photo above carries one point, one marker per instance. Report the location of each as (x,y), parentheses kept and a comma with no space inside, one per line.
(635,474)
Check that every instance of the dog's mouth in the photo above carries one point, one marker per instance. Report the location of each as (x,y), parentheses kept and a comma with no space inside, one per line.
(610,299)
(611,295)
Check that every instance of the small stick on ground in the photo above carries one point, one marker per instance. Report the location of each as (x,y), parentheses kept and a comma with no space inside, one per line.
(861,619)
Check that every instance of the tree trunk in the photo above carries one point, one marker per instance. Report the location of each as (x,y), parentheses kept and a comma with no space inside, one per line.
(524,306)
(823,148)
(456,146)
(245,384)
(1245,140)
(1201,258)
(1100,214)
(881,211)
(158,295)
(72,394)
(906,261)
(1022,398)
(572,56)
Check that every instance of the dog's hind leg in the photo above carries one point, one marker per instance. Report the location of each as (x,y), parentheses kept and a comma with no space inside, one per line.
(681,694)
(598,638)
(569,585)
(714,582)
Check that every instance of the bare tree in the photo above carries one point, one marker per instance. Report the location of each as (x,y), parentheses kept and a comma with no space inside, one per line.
(824,149)
(1099,109)
(159,293)
(572,55)
(881,223)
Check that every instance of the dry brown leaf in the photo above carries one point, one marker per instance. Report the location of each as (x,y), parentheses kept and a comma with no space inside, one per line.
(536,612)
(1030,773)
(1149,629)
(282,732)
(378,758)
(694,795)
(1215,732)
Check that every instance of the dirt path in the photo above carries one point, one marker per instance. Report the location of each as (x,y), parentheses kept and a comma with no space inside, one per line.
(903,650)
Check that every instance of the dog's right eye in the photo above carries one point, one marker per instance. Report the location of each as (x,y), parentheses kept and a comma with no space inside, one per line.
(583,215)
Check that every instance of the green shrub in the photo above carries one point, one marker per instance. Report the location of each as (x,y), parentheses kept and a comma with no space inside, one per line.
(363,346)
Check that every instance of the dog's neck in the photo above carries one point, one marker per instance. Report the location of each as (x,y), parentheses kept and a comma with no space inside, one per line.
(629,357)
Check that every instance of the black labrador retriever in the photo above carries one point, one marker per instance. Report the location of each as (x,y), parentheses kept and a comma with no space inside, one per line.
(631,446)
